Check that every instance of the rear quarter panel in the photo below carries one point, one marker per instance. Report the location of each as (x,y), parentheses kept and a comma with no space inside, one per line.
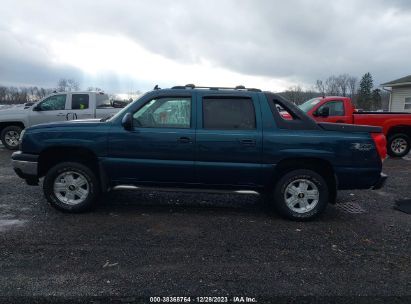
(353,156)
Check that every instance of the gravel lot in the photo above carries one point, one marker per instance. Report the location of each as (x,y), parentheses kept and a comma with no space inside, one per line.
(176,244)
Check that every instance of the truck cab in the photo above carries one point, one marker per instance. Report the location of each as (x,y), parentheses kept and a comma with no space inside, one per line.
(70,106)
(334,109)
(56,107)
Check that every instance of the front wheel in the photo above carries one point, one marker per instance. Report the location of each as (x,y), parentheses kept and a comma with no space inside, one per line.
(71,187)
(301,195)
(398,145)
(10,137)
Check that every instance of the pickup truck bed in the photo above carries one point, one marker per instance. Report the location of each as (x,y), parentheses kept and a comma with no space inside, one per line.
(396,125)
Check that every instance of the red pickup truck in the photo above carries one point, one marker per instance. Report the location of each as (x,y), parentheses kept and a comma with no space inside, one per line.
(396,126)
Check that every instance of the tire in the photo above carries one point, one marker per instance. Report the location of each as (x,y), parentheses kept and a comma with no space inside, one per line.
(10,137)
(304,209)
(78,193)
(398,145)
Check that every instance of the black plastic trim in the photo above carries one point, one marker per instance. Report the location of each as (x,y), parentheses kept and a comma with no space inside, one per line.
(301,121)
(349,128)
(31,180)
(19,155)
(237,88)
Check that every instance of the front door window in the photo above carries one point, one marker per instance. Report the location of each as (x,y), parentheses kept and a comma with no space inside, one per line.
(336,108)
(53,103)
(164,112)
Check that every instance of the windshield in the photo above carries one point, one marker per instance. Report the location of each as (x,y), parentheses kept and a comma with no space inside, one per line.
(309,104)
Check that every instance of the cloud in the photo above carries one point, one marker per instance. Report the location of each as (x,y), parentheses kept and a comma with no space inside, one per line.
(272,44)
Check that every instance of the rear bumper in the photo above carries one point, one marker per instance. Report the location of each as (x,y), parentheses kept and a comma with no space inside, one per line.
(25,166)
(381,182)
(350,178)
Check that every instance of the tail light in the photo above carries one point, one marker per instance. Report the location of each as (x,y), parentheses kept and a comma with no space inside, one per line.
(381,144)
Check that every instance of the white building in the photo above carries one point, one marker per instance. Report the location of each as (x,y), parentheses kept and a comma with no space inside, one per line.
(400,97)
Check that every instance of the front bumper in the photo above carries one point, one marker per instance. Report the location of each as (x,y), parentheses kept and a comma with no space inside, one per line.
(381,182)
(25,166)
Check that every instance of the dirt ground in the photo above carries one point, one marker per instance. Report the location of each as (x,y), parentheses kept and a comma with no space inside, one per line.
(180,244)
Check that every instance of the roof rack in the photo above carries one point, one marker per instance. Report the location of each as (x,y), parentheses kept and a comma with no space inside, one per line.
(238,88)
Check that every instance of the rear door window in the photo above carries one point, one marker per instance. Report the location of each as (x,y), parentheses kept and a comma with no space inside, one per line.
(79,101)
(228,113)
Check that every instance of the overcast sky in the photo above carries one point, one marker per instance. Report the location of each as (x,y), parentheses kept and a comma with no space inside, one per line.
(128,45)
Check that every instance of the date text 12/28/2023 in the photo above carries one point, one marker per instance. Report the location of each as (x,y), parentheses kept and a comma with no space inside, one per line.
(234,299)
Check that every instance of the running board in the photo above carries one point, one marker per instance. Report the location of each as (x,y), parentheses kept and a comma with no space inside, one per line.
(190,190)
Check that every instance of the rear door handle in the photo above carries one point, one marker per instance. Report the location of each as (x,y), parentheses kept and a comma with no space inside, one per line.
(248,142)
(184,140)
(70,116)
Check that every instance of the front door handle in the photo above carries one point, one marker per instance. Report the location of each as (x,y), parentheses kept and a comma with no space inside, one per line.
(184,140)
(248,142)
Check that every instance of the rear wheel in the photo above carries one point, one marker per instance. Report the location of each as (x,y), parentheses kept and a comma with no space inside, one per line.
(71,187)
(398,145)
(301,195)
(10,137)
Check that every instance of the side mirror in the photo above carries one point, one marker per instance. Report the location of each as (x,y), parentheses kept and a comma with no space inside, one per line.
(325,112)
(36,108)
(127,122)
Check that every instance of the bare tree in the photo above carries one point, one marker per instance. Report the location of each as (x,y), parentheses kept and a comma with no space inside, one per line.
(3,93)
(94,89)
(73,85)
(13,94)
(320,86)
(16,95)
(331,86)
(297,95)
(62,85)
(352,85)
(294,94)
(43,92)
(342,82)
(67,85)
